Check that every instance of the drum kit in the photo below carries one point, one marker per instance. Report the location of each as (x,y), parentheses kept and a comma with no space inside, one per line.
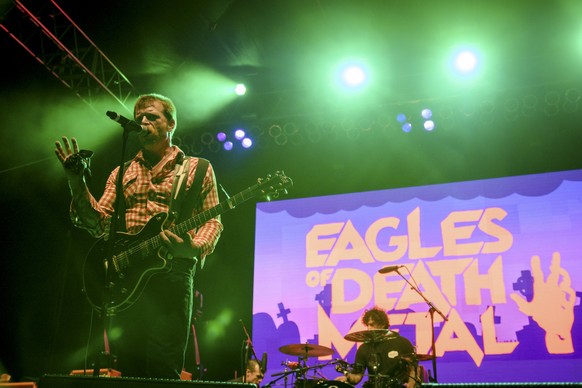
(305,351)
(300,369)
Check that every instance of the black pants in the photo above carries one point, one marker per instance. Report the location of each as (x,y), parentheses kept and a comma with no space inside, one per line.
(150,338)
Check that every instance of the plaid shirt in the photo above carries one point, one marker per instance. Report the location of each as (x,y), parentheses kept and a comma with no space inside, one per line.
(147,193)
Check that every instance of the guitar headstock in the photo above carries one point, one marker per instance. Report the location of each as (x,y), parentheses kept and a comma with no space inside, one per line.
(274,185)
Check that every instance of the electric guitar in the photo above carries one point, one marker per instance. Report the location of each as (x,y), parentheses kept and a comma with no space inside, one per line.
(116,273)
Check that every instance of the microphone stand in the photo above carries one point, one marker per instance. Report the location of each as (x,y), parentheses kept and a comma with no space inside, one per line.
(280,376)
(249,345)
(106,314)
(432,310)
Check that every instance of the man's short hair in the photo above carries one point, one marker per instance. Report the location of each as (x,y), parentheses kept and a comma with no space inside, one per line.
(169,107)
(252,364)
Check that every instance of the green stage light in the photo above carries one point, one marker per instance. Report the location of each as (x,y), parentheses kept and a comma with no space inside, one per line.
(240,89)
(466,62)
(352,76)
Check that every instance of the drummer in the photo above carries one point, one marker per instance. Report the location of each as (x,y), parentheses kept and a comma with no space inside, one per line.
(387,358)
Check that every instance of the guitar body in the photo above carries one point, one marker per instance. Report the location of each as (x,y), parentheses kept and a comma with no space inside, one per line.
(115,273)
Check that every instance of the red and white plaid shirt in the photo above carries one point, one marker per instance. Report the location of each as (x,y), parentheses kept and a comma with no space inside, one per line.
(147,193)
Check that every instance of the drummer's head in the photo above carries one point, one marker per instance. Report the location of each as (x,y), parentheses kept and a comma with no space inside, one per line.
(376,318)
(253,372)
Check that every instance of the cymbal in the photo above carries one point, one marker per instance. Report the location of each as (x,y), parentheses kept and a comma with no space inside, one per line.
(424,357)
(306,350)
(372,335)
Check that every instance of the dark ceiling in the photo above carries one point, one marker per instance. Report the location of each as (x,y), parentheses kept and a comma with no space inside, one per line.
(524,119)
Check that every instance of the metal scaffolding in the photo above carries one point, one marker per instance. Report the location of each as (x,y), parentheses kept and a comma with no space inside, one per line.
(47,33)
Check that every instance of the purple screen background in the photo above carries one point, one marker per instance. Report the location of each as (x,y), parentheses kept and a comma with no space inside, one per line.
(543,214)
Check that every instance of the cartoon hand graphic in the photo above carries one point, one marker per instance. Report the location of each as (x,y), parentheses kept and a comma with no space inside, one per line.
(552,306)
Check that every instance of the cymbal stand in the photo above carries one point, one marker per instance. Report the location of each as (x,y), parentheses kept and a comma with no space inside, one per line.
(301,372)
(432,310)
(279,376)
(317,372)
(374,364)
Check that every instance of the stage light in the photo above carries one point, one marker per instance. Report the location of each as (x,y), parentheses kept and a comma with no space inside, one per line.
(228,140)
(206,138)
(429,125)
(240,89)
(466,62)
(416,118)
(352,76)
(239,134)
(572,100)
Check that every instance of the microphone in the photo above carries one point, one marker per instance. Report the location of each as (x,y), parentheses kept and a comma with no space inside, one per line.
(126,123)
(290,364)
(390,268)
(264,363)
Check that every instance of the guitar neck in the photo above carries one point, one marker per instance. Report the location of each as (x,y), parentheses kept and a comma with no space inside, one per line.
(266,187)
(223,207)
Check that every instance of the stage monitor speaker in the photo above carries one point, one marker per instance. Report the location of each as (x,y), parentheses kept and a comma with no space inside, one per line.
(65,381)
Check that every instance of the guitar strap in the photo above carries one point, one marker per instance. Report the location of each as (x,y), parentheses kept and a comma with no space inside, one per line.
(121,217)
(186,202)
(183,199)
(191,197)
(180,176)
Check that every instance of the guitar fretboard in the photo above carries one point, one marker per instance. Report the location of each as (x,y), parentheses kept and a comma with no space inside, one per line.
(221,208)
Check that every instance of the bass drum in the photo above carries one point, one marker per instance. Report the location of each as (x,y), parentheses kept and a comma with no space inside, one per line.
(333,384)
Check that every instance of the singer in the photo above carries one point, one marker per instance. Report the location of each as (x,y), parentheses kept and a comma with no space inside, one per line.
(153,331)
